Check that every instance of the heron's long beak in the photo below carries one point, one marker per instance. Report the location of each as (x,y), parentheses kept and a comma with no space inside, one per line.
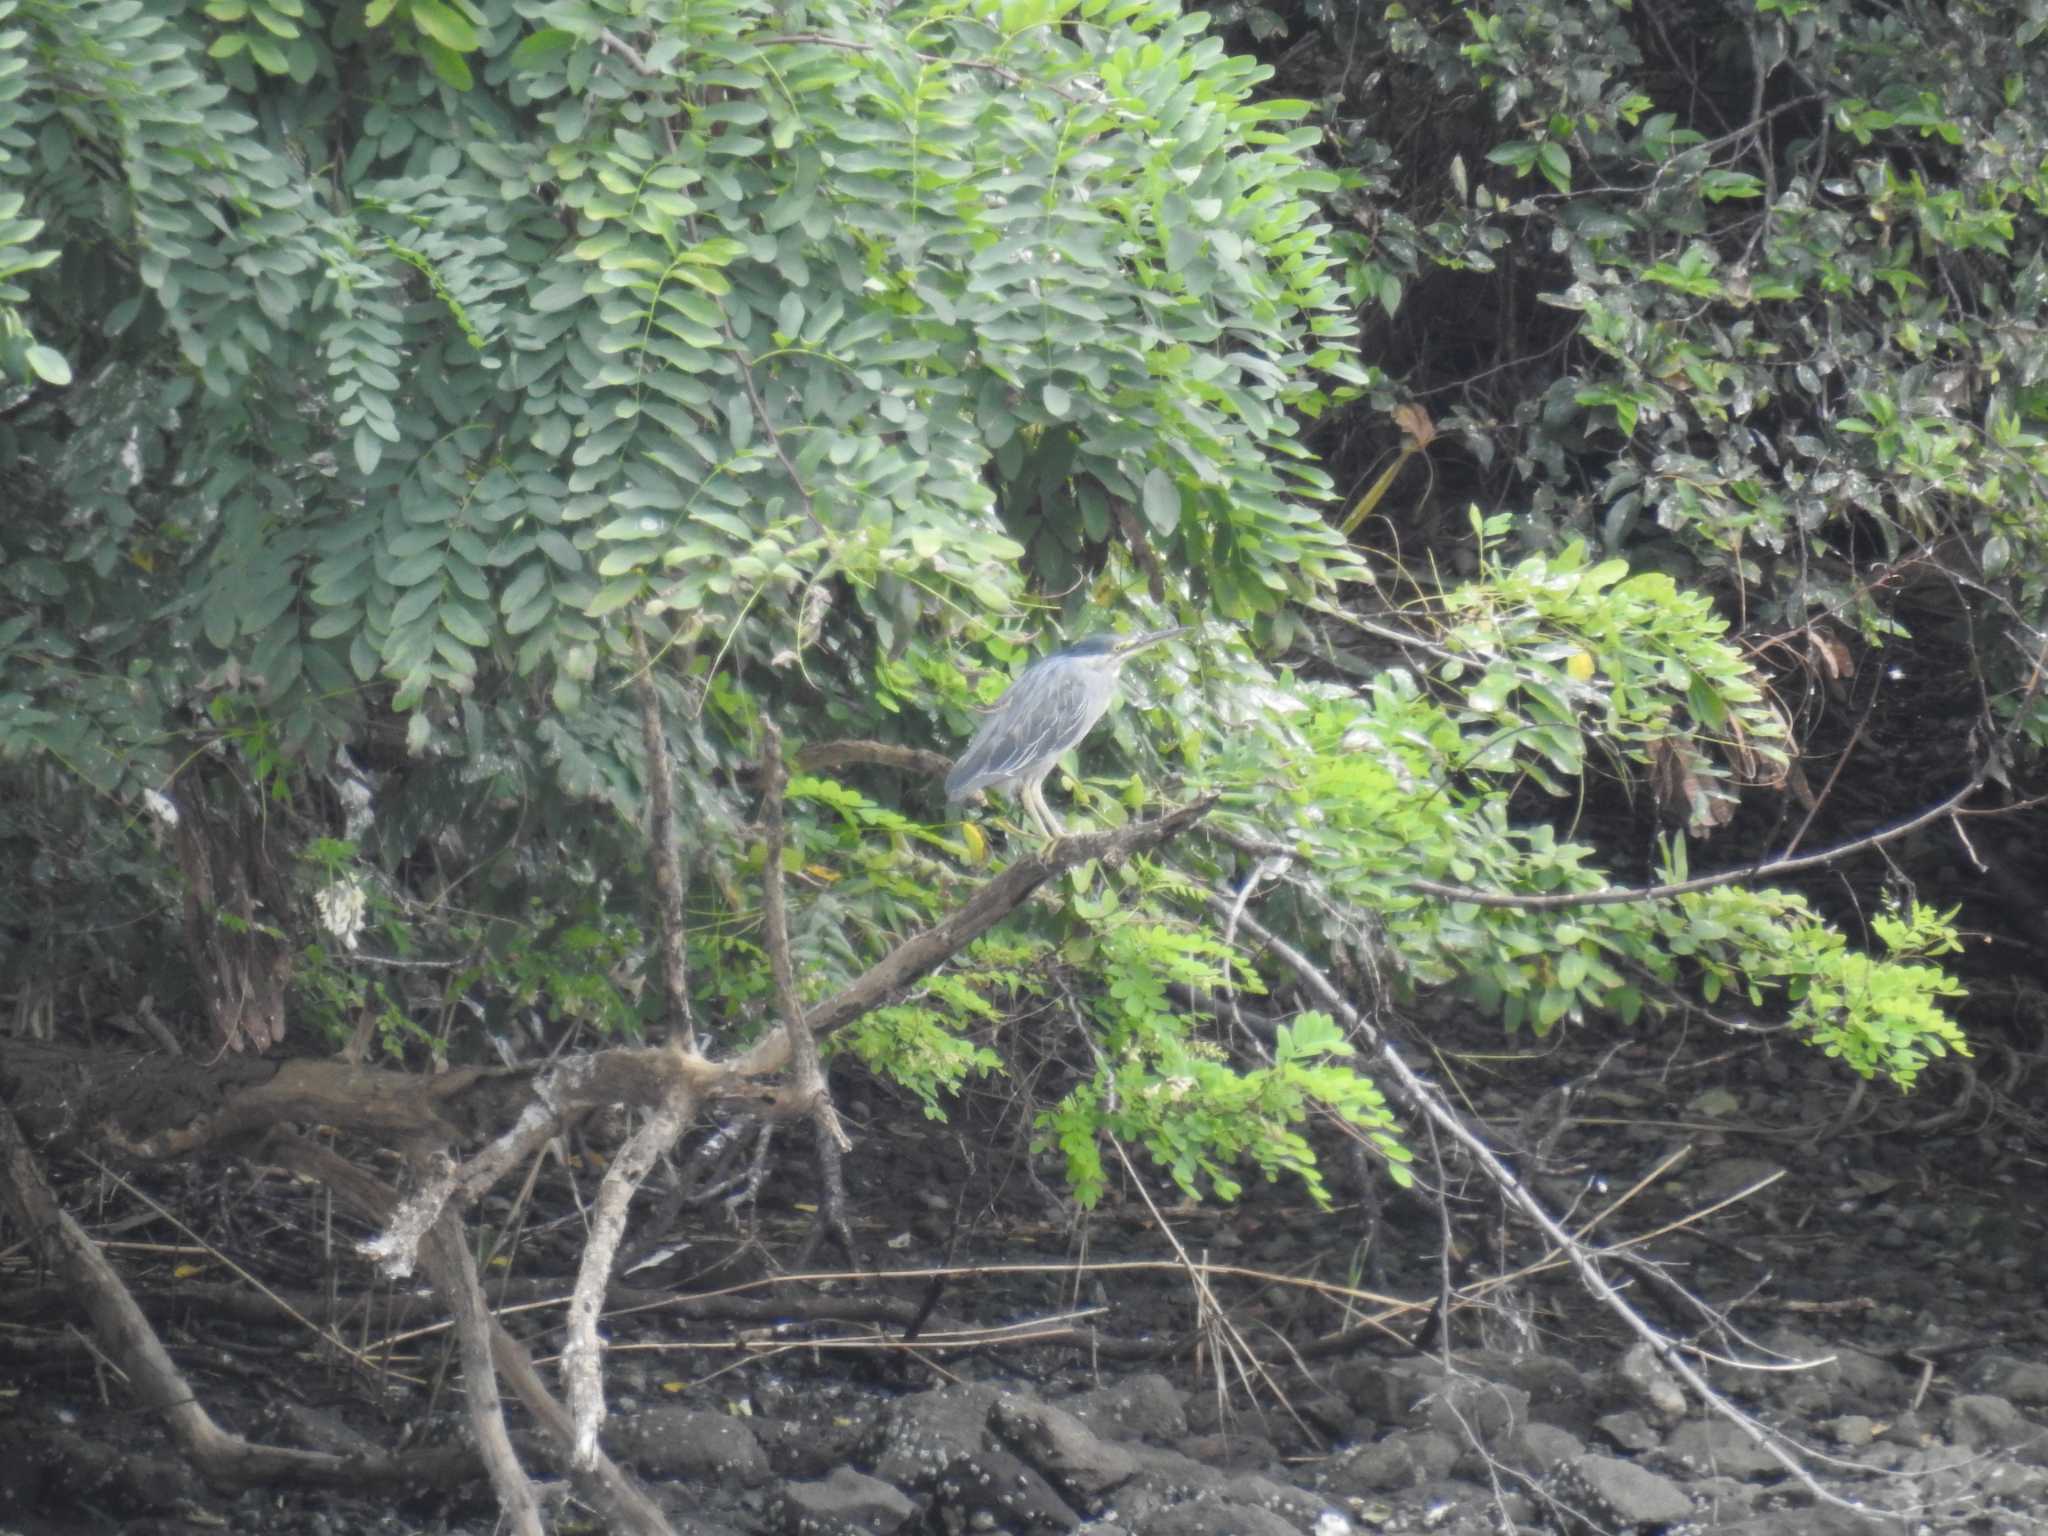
(1132,644)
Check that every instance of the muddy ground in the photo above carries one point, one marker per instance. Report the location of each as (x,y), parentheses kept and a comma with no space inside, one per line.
(1875,1262)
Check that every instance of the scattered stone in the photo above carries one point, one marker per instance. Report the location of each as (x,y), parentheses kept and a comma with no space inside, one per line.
(1642,1382)
(1719,1501)
(1165,1478)
(1078,1461)
(1144,1407)
(1297,1506)
(1715,1445)
(1233,1453)
(1853,1429)
(689,1443)
(1828,1380)
(1558,1391)
(1408,1458)
(920,1435)
(990,1490)
(812,1442)
(1603,1493)
(2017,1381)
(1543,1446)
(1481,1414)
(1181,1474)
(1207,1518)
(1385,1392)
(848,1503)
(1979,1421)
(1629,1430)
(1811,1522)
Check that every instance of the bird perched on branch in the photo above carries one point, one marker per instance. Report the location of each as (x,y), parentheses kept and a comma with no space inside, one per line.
(1048,711)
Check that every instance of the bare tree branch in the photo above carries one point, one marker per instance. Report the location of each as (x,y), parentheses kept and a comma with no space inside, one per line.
(807,1093)
(623,1507)
(472,1314)
(1581,1258)
(923,953)
(583,1351)
(661,850)
(827,756)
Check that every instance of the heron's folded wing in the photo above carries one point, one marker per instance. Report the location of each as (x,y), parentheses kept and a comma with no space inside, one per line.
(1046,711)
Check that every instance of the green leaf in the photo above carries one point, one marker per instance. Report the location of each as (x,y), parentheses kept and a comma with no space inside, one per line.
(1161,501)
(543,47)
(445,25)
(268,56)
(449,66)
(48,364)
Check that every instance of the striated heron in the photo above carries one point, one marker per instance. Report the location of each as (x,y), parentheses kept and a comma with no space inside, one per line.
(1051,707)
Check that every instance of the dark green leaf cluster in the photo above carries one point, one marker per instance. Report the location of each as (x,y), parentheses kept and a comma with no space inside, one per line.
(1751,294)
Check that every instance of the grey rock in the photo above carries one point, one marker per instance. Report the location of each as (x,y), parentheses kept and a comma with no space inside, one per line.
(1642,1382)
(848,1503)
(1385,1392)
(1559,1392)
(1072,1456)
(1835,1379)
(1297,1506)
(1165,1478)
(1408,1458)
(989,1489)
(1606,1491)
(1144,1407)
(1823,1521)
(1979,1421)
(1852,1429)
(1719,1501)
(1482,1415)
(1232,1453)
(688,1442)
(1550,1382)
(1715,1445)
(2017,1381)
(1629,1430)
(812,1442)
(1539,1447)
(1208,1518)
(920,1435)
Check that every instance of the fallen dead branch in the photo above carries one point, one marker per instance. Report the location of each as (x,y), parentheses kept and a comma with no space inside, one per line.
(133,1346)
(1583,1259)
(513,1112)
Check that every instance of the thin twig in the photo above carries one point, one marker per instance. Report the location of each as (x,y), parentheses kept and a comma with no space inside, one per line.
(1582,1261)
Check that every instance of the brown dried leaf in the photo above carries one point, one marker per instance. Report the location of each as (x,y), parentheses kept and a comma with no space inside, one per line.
(1414,421)
(1764,767)
(1685,791)
(1829,653)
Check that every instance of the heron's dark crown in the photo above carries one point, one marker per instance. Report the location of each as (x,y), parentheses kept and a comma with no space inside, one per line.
(1104,644)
